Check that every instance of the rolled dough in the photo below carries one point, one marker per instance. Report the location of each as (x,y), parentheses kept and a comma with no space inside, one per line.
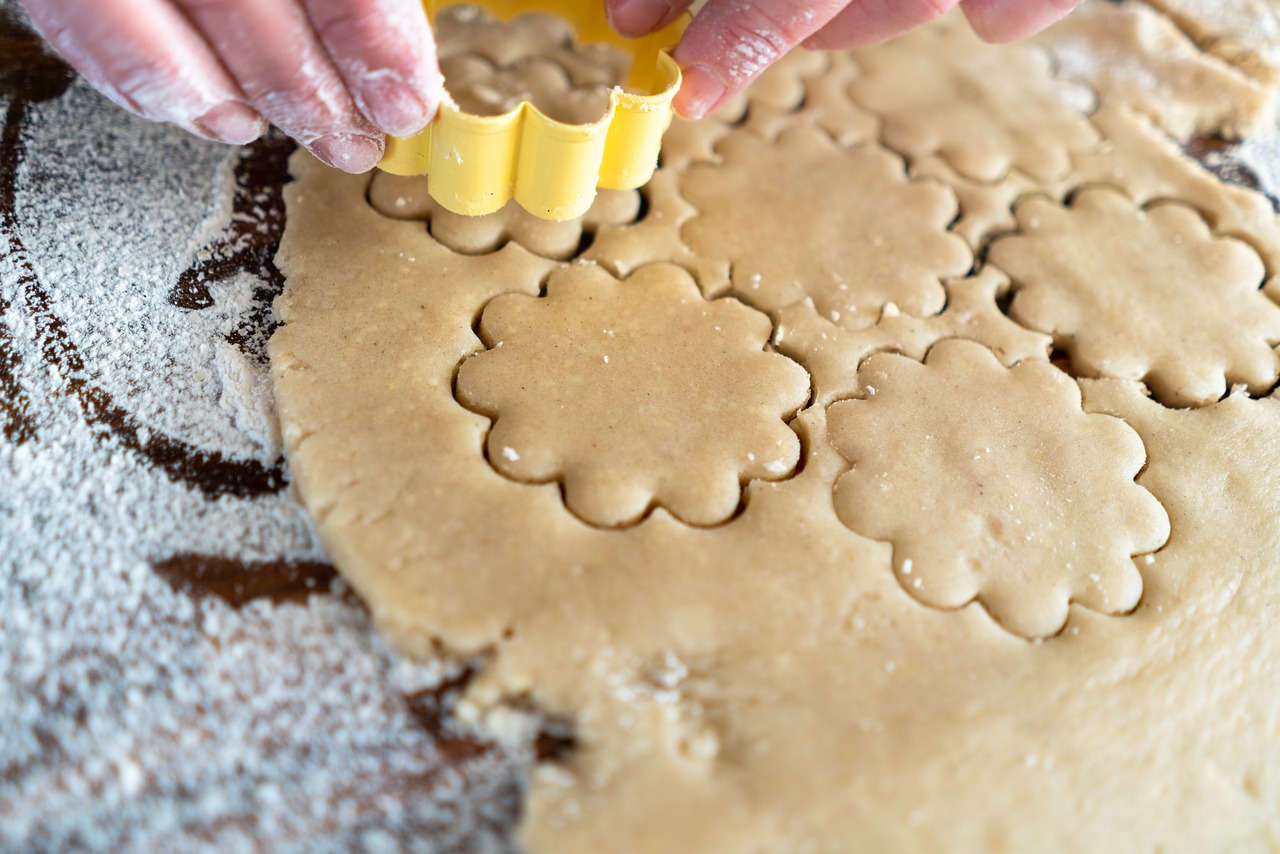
(776,682)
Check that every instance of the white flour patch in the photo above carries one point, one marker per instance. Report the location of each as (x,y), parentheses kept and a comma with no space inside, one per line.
(133,716)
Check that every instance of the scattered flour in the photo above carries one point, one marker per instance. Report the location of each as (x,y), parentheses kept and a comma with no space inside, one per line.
(133,716)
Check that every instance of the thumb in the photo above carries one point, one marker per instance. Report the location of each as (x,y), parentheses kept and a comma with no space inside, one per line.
(730,42)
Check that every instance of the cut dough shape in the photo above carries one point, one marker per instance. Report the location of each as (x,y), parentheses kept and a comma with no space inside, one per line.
(1010,495)
(406,197)
(804,218)
(985,109)
(1135,58)
(1144,295)
(1148,166)
(1197,469)
(634,394)
(832,354)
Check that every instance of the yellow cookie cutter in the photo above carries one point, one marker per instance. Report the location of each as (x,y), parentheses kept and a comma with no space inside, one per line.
(479,163)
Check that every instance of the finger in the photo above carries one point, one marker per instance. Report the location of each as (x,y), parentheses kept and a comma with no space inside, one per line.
(386,54)
(635,18)
(730,42)
(143,55)
(270,49)
(874,21)
(1009,20)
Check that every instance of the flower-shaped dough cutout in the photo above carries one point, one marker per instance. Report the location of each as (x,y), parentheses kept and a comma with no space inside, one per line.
(984,108)
(992,484)
(1143,295)
(406,197)
(634,394)
(806,218)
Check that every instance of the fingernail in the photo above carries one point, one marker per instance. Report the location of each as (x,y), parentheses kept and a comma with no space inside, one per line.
(232,122)
(393,106)
(700,92)
(633,18)
(350,152)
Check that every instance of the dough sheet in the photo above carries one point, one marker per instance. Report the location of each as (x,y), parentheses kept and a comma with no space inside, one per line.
(977,552)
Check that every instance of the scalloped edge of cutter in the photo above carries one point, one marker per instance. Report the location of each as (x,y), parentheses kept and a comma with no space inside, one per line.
(479,163)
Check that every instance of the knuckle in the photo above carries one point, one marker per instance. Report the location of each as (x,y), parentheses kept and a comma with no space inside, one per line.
(373,30)
(147,83)
(753,42)
(343,24)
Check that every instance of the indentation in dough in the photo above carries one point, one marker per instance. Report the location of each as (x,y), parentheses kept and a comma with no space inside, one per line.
(1146,295)
(401,197)
(984,108)
(804,218)
(832,355)
(992,484)
(634,394)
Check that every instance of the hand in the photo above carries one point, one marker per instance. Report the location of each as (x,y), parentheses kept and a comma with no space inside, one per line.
(336,75)
(731,41)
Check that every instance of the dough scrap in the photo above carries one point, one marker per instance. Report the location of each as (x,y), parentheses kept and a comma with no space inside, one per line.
(1137,59)
(986,209)
(820,99)
(1011,496)
(1245,33)
(470,29)
(481,88)
(406,197)
(634,394)
(655,236)
(801,234)
(832,354)
(1143,294)
(984,109)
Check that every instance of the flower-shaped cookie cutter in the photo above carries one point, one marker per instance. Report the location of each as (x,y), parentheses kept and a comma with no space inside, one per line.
(479,163)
